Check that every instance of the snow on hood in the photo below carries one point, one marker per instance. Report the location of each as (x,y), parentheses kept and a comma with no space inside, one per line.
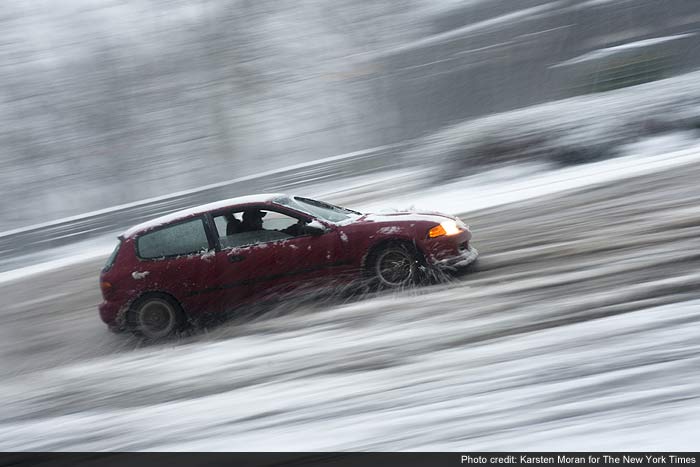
(405,216)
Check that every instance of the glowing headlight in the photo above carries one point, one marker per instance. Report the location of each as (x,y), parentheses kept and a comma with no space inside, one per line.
(448,228)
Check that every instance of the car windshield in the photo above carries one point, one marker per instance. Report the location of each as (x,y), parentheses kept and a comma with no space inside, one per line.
(325,211)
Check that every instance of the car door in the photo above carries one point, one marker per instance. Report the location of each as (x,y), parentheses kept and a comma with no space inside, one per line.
(299,261)
(235,261)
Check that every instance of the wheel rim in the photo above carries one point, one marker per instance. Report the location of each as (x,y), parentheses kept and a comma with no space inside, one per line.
(395,267)
(156,318)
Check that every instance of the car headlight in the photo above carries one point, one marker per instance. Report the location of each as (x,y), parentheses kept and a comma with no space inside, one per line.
(448,227)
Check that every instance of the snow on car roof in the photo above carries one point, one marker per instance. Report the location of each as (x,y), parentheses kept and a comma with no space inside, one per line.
(173,216)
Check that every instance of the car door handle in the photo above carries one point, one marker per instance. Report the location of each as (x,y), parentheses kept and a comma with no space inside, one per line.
(235,258)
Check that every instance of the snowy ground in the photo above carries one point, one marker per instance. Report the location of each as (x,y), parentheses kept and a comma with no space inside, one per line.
(578,332)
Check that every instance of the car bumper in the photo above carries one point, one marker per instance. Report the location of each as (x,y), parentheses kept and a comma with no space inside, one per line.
(110,314)
(462,260)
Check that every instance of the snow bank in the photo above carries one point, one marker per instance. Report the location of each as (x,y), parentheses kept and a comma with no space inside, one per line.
(570,131)
(519,182)
(631,46)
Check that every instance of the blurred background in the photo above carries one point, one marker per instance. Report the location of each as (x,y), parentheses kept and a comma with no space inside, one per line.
(108,102)
(566,133)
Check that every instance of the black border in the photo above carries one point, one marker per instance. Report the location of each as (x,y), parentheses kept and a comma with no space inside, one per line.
(336,459)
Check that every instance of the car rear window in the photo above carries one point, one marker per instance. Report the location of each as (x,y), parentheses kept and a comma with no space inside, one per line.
(174,240)
(112,257)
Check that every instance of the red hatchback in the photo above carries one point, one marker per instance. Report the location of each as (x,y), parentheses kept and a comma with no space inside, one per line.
(210,259)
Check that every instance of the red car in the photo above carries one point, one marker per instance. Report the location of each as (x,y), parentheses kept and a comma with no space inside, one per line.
(210,259)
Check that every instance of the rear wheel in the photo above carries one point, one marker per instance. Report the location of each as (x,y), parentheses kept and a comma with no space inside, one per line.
(395,266)
(156,317)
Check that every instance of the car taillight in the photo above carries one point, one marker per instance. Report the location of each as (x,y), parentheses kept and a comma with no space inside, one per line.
(106,288)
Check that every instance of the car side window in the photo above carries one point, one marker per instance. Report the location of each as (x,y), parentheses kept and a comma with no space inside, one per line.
(180,239)
(234,231)
(278,221)
(227,224)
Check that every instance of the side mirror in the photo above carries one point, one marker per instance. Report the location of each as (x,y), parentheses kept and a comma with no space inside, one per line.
(315,228)
(314,231)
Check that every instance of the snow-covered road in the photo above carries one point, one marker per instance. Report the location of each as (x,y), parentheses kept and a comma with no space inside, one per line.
(579,332)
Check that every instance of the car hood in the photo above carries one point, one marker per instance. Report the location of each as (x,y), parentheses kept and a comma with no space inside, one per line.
(389,217)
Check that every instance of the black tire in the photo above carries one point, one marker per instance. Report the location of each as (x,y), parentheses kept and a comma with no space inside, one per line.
(155,316)
(395,266)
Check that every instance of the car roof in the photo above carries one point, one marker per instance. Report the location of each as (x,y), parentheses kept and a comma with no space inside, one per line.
(193,211)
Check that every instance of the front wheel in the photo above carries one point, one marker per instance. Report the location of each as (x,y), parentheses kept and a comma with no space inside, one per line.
(155,317)
(396,266)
